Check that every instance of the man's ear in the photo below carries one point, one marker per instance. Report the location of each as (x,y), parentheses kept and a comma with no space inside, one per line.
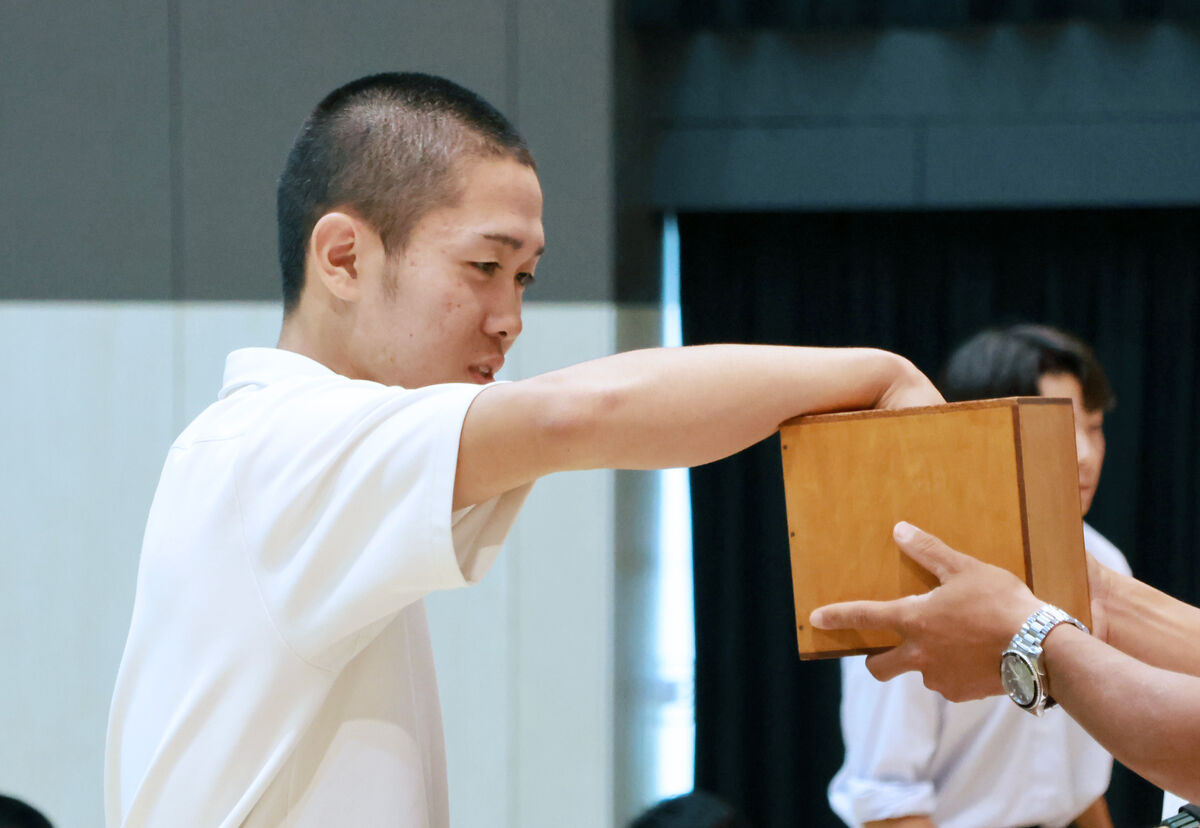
(337,251)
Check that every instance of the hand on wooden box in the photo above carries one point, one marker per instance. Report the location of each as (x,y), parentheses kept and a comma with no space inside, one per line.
(996,479)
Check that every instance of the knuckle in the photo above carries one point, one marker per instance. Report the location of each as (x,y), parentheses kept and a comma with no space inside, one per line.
(911,619)
(919,658)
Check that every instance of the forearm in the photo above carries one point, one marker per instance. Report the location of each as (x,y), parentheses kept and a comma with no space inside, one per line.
(1095,816)
(664,408)
(688,406)
(1148,718)
(1150,625)
(902,822)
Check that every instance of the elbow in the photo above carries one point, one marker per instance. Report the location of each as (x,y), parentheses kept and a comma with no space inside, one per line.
(571,419)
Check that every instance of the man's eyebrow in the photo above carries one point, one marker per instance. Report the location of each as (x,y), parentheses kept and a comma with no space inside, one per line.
(515,244)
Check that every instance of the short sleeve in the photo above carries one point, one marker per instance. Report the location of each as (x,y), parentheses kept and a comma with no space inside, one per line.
(346,490)
(890,730)
(1104,551)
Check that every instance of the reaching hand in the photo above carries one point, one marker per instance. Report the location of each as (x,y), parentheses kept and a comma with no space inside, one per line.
(910,389)
(953,634)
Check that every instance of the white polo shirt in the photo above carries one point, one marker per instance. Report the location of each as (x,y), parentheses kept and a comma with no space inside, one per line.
(978,764)
(278,669)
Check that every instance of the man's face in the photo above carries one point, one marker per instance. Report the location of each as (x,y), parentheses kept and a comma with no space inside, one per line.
(448,307)
(1089,432)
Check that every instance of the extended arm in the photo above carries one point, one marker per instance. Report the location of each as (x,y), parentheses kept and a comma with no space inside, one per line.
(1144,622)
(663,408)
(1146,716)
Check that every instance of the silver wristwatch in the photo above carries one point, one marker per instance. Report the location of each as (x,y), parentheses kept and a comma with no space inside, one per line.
(1021,670)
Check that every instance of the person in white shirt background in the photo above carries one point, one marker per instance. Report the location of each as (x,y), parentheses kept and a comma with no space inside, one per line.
(278,667)
(915,760)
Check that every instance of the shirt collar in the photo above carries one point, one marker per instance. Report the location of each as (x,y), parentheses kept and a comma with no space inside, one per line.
(263,366)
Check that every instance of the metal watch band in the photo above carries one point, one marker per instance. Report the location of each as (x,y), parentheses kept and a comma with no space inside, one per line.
(1029,639)
(1186,818)
(1038,625)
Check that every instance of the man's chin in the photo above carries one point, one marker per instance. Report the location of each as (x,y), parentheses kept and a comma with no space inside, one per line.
(1085,502)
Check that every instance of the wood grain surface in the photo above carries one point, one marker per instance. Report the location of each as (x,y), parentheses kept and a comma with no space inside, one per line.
(995,479)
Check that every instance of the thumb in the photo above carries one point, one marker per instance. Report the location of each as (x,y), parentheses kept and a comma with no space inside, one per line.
(928,551)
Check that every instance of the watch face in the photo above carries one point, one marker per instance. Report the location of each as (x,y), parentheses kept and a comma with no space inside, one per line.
(1016,674)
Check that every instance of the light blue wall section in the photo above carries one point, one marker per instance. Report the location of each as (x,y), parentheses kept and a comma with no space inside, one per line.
(528,661)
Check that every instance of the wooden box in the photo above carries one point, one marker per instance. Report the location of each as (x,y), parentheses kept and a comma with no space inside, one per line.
(996,479)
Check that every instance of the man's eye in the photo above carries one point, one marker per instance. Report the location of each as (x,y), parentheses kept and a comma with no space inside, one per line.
(525,279)
(487,267)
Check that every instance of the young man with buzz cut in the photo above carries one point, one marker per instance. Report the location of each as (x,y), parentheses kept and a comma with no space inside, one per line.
(278,669)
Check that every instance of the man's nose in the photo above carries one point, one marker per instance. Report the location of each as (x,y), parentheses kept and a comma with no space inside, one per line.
(504,320)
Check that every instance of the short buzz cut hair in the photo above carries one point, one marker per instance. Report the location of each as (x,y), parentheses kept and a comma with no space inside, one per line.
(1008,362)
(386,148)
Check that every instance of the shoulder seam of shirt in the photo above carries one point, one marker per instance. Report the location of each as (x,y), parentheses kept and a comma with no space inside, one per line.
(237,499)
(225,438)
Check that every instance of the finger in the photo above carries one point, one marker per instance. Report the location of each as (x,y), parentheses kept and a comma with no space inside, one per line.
(929,551)
(856,615)
(887,665)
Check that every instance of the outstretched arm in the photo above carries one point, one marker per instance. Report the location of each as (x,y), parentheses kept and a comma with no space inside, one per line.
(1148,624)
(1146,716)
(663,408)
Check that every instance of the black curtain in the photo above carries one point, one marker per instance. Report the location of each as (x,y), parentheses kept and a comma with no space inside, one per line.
(807,14)
(1128,281)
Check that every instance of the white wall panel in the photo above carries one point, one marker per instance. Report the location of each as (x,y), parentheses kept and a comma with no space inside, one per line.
(94,395)
(564,715)
(206,333)
(86,421)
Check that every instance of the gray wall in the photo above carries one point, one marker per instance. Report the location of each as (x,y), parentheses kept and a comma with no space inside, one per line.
(142,140)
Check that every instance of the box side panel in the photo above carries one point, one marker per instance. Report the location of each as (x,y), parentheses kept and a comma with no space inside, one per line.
(1058,566)
(849,481)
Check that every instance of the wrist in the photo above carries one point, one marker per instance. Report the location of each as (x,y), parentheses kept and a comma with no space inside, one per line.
(1017,611)
(1060,637)
(902,383)
(1024,672)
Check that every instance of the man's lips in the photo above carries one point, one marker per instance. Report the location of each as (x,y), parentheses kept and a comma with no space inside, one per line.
(486,371)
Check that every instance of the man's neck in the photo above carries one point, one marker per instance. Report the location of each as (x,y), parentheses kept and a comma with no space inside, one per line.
(302,334)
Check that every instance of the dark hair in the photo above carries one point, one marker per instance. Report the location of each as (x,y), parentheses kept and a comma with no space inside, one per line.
(698,809)
(1008,362)
(16,814)
(384,146)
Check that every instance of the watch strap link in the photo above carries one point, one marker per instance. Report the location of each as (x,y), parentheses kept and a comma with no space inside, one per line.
(1188,817)
(1029,640)
(1038,625)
